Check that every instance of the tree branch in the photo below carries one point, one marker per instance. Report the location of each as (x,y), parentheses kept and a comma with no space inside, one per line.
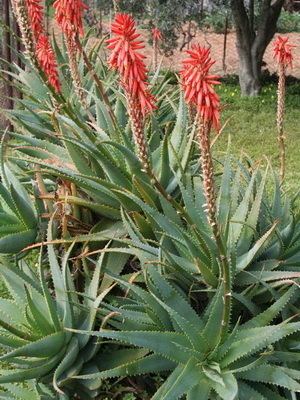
(266,29)
(244,34)
(251,15)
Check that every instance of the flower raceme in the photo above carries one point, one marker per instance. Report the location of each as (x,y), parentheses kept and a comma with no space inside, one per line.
(283,51)
(156,37)
(47,61)
(68,14)
(156,34)
(128,62)
(35,12)
(196,83)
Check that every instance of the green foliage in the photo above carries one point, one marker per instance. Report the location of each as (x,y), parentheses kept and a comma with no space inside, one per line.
(171,17)
(288,22)
(34,323)
(215,21)
(188,345)
(134,7)
(18,216)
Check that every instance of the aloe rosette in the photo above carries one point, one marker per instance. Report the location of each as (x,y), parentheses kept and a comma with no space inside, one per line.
(34,319)
(185,347)
(18,215)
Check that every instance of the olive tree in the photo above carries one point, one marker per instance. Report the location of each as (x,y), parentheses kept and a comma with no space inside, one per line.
(252,37)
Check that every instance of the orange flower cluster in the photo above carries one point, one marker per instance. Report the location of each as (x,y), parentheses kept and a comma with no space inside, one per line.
(156,34)
(47,60)
(35,12)
(283,51)
(68,14)
(128,62)
(197,82)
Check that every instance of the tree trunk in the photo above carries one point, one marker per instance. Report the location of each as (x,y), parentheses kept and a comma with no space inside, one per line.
(251,44)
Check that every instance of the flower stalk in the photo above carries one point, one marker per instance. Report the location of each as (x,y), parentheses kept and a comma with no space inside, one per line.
(283,53)
(280,118)
(22,15)
(156,38)
(196,83)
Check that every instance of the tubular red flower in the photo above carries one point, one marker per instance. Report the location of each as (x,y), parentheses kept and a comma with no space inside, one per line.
(128,62)
(47,60)
(156,34)
(35,12)
(196,83)
(283,51)
(68,14)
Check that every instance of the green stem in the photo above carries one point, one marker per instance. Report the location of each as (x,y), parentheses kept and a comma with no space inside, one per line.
(218,237)
(209,191)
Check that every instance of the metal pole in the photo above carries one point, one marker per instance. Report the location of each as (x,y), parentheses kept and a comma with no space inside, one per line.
(224,66)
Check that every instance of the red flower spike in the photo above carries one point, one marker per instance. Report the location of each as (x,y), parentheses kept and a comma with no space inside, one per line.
(47,60)
(196,83)
(128,62)
(68,14)
(283,51)
(156,34)
(35,12)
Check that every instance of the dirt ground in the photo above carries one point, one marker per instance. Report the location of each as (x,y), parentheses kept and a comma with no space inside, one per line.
(216,43)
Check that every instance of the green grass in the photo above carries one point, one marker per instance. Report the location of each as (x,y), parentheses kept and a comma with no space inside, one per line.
(253,128)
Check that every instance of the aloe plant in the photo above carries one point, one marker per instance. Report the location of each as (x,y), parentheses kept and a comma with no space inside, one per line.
(34,320)
(18,215)
(160,320)
(158,284)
